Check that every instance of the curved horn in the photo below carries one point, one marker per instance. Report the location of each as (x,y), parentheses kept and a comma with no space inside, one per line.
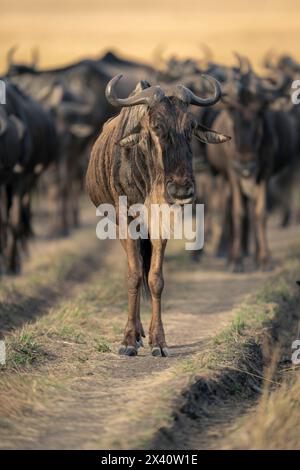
(147,96)
(10,54)
(269,56)
(266,85)
(157,55)
(207,52)
(244,64)
(186,95)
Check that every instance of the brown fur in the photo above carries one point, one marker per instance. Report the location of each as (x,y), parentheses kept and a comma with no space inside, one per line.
(141,173)
(145,154)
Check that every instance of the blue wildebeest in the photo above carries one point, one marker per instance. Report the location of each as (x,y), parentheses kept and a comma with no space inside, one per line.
(28,144)
(263,143)
(74,95)
(145,153)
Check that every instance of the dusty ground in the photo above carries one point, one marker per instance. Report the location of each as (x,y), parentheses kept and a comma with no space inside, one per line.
(70,389)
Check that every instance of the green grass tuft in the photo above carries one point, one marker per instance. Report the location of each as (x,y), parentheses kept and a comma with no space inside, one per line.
(24,350)
(101,345)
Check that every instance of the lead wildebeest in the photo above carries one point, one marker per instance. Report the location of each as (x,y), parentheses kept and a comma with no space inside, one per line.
(144,153)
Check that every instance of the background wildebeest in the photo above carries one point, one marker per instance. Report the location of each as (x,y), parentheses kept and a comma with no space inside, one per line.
(74,96)
(264,143)
(28,145)
(145,154)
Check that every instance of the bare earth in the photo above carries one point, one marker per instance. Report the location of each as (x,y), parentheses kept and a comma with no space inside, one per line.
(111,401)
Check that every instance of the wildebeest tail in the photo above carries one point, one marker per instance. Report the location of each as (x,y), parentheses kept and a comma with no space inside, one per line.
(146,253)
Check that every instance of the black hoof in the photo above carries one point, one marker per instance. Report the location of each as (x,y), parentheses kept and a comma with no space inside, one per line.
(195,258)
(238,268)
(13,271)
(58,233)
(160,352)
(221,254)
(127,351)
(139,344)
(264,266)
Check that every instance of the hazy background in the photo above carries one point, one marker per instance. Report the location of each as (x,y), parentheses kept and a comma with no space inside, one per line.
(65,30)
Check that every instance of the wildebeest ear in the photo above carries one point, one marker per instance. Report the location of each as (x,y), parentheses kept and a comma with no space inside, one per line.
(209,136)
(80,130)
(53,94)
(130,141)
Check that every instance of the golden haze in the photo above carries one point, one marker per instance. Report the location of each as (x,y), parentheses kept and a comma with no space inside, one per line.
(67,30)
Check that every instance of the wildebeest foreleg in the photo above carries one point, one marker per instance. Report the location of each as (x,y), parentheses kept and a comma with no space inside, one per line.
(12,254)
(260,214)
(237,219)
(75,198)
(140,329)
(156,284)
(134,329)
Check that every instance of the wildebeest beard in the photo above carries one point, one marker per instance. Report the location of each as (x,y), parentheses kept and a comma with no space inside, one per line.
(136,171)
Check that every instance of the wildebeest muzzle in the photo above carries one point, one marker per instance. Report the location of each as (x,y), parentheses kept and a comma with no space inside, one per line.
(245,169)
(181,190)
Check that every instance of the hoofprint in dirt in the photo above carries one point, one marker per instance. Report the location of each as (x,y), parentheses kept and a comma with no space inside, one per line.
(64,385)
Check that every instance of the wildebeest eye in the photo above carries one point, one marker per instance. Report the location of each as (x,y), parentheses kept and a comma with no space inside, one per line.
(158,128)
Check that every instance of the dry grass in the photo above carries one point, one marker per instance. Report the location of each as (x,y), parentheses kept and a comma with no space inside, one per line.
(54,270)
(57,348)
(248,361)
(71,344)
(46,358)
(275,421)
(47,311)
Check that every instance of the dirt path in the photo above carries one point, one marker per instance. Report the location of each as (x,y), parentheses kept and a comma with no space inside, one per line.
(114,402)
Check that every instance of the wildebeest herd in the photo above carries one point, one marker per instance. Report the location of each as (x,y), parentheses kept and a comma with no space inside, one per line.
(52,118)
